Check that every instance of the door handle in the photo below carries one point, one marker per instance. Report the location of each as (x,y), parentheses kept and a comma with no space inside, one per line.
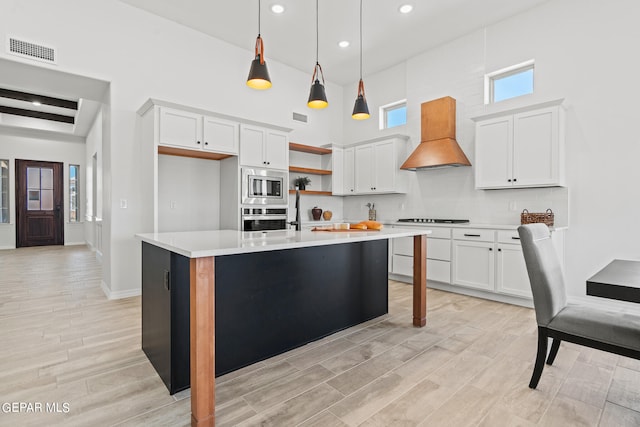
(167,280)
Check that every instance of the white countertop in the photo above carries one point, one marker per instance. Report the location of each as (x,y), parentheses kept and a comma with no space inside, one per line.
(466,225)
(198,244)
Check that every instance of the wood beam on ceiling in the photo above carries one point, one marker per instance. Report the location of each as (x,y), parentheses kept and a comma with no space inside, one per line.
(32,97)
(37,114)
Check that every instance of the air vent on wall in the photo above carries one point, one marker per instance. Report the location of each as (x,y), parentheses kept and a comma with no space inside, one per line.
(298,117)
(32,50)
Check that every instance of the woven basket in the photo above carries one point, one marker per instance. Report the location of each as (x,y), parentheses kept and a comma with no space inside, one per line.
(527,217)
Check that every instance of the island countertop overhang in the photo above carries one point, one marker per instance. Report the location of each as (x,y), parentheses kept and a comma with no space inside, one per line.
(199,244)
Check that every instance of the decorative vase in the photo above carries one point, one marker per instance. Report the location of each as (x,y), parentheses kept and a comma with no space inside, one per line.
(316,212)
(327,215)
(302,186)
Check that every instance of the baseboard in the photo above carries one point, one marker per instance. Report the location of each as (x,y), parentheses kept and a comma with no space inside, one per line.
(119,294)
(76,244)
(7,247)
(523,302)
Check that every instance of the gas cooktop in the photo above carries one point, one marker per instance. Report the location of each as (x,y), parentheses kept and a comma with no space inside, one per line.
(434,221)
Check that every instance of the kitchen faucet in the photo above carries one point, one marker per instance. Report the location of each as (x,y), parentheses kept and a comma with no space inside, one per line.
(297,222)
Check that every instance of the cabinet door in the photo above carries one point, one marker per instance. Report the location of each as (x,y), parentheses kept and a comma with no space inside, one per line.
(473,264)
(252,146)
(364,157)
(536,156)
(494,153)
(349,182)
(384,167)
(277,150)
(439,271)
(180,128)
(220,135)
(511,277)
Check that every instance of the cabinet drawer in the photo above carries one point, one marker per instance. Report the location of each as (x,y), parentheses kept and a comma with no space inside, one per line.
(508,236)
(439,270)
(440,233)
(402,265)
(403,246)
(479,234)
(439,249)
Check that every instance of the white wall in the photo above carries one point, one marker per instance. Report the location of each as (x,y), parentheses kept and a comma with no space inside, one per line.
(188,194)
(582,53)
(93,208)
(17,146)
(148,57)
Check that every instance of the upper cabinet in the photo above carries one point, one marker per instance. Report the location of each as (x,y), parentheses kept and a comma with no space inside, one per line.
(197,132)
(263,147)
(377,166)
(521,148)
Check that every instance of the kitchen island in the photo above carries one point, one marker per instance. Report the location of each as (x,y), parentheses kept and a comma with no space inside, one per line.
(215,301)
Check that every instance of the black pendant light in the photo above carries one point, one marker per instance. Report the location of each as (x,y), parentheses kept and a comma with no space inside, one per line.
(360,109)
(258,74)
(317,95)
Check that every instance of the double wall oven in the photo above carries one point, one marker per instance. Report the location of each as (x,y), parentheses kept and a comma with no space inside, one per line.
(265,200)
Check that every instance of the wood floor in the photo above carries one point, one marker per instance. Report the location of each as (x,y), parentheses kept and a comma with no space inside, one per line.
(62,342)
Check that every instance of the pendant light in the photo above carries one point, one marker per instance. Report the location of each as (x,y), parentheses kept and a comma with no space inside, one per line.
(258,74)
(317,95)
(360,109)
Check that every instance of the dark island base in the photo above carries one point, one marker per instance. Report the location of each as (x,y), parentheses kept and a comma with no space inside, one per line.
(266,302)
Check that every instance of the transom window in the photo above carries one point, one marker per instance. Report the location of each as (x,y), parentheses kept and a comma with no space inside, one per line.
(509,82)
(394,114)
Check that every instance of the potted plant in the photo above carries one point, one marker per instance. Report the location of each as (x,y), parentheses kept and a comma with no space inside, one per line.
(301,182)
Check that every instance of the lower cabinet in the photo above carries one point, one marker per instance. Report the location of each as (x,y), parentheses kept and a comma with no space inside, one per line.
(473,264)
(489,260)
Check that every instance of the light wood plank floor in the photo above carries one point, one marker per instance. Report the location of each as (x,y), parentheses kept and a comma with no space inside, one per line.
(63,342)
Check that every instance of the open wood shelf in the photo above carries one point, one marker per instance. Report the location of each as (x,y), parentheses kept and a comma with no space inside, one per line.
(209,155)
(310,170)
(314,192)
(308,149)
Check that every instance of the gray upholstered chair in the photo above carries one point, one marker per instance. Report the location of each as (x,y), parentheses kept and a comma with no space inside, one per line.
(585,325)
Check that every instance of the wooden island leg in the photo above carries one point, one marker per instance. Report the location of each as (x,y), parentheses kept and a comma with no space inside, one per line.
(420,280)
(202,334)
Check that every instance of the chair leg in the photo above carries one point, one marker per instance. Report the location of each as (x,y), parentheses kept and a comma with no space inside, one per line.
(541,356)
(554,351)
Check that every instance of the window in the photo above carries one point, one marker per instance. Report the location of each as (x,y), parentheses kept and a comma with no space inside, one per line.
(509,82)
(4,191)
(74,193)
(394,114)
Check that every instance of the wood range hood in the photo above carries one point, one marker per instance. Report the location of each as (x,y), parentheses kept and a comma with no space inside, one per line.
(438,147)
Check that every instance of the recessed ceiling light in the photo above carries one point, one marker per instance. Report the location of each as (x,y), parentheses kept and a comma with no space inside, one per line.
(343,44)
(36,103)
(405,8)
(277,8)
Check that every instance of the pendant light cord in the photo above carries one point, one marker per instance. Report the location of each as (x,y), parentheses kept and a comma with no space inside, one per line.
(317,35)
(360,39)
(259,9)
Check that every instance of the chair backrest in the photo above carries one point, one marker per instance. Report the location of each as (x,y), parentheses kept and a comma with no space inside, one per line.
(545,271)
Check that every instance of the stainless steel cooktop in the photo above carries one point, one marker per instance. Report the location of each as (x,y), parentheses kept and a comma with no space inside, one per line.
(433,221)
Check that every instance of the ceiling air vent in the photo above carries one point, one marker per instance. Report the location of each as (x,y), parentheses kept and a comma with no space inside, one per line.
(32,50)
(298,117)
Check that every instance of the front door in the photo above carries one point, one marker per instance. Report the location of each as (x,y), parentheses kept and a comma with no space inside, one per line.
(39,214)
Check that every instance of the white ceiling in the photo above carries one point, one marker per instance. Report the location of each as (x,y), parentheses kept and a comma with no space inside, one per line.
(90,94)
(389,37)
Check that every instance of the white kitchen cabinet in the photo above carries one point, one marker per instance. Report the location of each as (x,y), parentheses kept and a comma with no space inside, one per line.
(194,131)
(377,166)
(348,171)
(220,135)
(262,147)
(180,128)
(511,271)
(438,255)
(473,264)
(521,148)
